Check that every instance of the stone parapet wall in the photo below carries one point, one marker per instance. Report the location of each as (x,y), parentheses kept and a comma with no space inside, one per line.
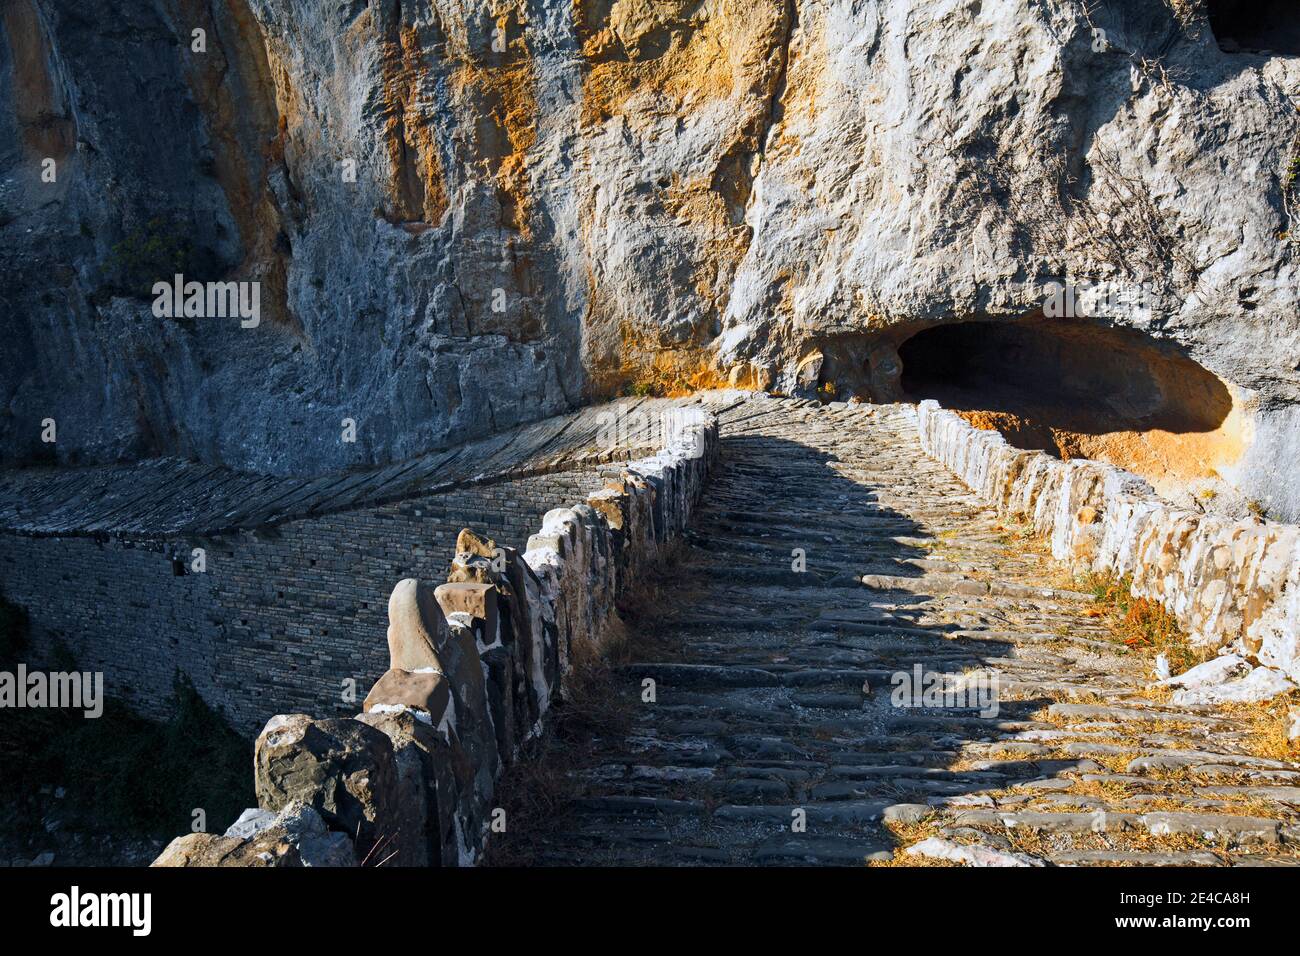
(475,665)
(276,619)
(1230,584)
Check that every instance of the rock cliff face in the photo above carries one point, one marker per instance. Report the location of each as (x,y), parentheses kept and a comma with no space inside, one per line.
(466,215)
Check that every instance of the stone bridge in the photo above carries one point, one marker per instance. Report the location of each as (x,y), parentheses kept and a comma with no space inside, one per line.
(782,731)
(853,636)
(268,590)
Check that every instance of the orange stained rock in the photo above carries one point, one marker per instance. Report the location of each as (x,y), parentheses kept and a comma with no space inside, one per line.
(416,187)
(45,125)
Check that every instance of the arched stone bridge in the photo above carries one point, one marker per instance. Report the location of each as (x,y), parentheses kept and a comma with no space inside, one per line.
(775,734)
(833,650)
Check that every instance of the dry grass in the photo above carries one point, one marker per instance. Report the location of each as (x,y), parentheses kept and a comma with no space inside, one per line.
(1148,629)
(538,788)
(909,834)
(1158,693)
(654,586)
(1043,844)
(1139,624)
(1187,12)
(1116,762)
(1266,725)
(594,700)
(1021,535)
(970,757)
(1140,729)
(1175,787)
(1172,793)
(900,859)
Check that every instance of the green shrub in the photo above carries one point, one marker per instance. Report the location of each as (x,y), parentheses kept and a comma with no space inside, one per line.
(123,773)
(152,253)
(126,772)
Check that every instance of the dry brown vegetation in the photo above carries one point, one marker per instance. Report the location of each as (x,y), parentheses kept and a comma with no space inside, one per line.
(1267,723)
(1140,624)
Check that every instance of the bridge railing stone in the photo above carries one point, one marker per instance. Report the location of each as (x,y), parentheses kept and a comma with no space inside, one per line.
(476,664)
(1227,582)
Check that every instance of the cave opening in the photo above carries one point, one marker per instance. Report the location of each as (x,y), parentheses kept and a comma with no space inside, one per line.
(1251,26)
(1079,390)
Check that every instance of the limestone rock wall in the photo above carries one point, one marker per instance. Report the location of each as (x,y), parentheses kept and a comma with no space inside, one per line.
(476,663)
(942,160)
(1233,585)
(560,194)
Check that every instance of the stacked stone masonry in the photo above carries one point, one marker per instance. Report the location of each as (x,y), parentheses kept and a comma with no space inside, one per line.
(474,666)
(292,570)
(1232,585)
(273,620)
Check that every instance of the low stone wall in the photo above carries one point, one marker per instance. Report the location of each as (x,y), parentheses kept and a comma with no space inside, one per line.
(1231,584)
(475,664)
(275,618)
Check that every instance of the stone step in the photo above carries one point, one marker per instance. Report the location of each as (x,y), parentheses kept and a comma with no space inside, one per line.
(1210,826)
(774,688)
(1134,858)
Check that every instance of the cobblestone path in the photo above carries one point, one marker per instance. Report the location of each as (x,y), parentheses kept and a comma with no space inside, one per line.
(777,705)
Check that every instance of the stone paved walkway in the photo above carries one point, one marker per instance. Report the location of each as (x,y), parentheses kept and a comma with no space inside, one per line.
(777,705)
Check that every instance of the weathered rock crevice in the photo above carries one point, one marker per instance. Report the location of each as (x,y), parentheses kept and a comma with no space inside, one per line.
(418,194)
(231,82)
(47,128)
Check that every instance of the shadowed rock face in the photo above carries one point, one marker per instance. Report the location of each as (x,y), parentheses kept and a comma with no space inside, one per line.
(555,198)
(1257,25)
(1081,389)
(1089,378)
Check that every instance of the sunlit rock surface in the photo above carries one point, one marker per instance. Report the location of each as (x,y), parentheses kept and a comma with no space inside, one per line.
(555,200)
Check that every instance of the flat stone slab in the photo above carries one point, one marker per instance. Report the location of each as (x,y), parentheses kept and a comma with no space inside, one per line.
(1122,714)
(1213,826)
(969,854)
(1049,822)
(821,851)
(637,805)
(869,811)
(702,675)
(1133,858)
